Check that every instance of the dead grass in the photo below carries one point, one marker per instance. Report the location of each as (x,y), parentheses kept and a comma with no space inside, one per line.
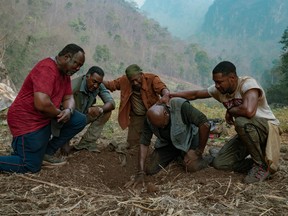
(64,191)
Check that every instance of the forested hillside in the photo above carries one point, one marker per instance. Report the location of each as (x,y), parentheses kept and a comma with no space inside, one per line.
(246,32)
(113,34)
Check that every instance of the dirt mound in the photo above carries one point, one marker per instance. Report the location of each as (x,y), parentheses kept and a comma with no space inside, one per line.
(93,184)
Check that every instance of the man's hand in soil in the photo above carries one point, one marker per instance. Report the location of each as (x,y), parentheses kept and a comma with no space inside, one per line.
(137,181)
(190,157)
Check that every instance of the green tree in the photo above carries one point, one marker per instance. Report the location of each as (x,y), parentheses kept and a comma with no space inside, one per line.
(101,54)
(279,93)
(78,25)
(284,56)
(203,65)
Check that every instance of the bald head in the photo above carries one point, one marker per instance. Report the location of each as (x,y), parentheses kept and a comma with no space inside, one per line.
(158,115)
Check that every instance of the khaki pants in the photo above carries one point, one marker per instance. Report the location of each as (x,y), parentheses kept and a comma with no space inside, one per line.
(93,132)
(135,129)
(250,140)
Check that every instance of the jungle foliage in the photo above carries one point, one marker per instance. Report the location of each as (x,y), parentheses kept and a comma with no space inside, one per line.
(278,93)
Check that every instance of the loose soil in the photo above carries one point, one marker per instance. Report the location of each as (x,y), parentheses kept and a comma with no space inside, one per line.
(93,184)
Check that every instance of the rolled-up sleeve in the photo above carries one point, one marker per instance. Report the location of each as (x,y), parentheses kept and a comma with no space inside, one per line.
(191,115)
(105,95)
(146,135)
(158,85)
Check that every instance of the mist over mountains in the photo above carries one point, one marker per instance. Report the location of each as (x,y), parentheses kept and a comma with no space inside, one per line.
(246,32)
(182,18)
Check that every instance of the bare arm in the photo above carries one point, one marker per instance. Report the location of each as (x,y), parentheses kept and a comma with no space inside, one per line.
(249,106)
(109,106)
(165,96)
(191,95)
(204,131)
(143,150)
(43,104)
(68,102)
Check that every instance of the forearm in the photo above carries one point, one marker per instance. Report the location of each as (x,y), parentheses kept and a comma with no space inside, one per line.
(204,130)
(240,111)
(68,103)
(108,107)
(248,107)
(49,110)
(184,94)
(43,104)
(165,92)
(143,150)
(192,95)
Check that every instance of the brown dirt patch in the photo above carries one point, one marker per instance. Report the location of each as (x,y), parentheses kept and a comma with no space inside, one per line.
(93,184)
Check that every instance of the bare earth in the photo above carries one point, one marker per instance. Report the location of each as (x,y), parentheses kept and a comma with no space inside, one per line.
(93,184)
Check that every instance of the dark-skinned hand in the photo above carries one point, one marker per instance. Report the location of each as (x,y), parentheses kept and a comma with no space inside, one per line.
(95,111)
(136,181)
(64,116)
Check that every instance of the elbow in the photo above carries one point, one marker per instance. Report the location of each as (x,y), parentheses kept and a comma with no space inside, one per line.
(39,107)
(250,113)
(113,105)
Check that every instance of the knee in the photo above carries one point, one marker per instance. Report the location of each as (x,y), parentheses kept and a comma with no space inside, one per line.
(241,121)
(33,167)
(152,170)
(78,119)
(221,164)
(217,164)
(240,124)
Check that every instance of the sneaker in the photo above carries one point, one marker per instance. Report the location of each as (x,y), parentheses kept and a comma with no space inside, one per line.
(51,160)
(258,173)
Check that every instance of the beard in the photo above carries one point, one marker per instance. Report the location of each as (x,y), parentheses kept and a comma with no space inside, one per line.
(136,88)
(70,73)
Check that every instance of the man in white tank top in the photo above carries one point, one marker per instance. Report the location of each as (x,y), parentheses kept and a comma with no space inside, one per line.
(255,124)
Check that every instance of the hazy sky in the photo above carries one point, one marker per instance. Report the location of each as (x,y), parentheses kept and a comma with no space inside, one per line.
(139,2)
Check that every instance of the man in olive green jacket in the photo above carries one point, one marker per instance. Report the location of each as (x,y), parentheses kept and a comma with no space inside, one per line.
(85,91)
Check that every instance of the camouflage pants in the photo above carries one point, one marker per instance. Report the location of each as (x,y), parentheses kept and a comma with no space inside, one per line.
(250,140)
(93,132)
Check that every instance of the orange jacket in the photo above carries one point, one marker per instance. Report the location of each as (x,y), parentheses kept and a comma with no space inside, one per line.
(151,91)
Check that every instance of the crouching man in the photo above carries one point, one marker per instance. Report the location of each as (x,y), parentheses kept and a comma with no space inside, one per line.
(85,90)
(181,131)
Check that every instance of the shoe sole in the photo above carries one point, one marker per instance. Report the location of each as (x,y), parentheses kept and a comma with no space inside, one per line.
(46,163)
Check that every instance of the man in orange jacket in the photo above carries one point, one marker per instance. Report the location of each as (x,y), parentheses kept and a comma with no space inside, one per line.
(139,91)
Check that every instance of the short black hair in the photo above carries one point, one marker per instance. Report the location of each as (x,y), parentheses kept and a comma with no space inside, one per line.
(224,67)
(71,48)
(95,69)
